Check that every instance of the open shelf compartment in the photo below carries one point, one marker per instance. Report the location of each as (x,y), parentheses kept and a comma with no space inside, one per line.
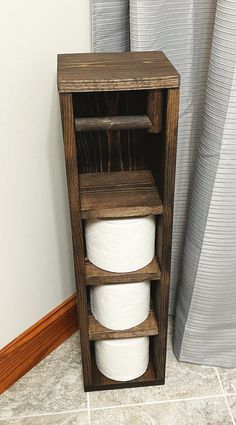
(101,382)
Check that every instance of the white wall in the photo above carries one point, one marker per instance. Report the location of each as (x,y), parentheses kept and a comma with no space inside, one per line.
(36,269)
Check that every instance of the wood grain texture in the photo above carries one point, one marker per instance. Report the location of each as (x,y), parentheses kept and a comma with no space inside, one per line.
(27,350)
(111,150)
(147,328)
(119,194)
(67,116)
(162,291)
(155,110)
(96,276)
(113,123)
(115,71)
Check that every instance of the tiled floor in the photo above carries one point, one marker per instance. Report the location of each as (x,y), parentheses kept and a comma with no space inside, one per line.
(52,393)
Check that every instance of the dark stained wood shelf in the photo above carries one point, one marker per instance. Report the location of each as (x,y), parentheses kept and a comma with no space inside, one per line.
(96,276)
(113,123)
(147,328)
(101,382)
(115,71)
(119,194)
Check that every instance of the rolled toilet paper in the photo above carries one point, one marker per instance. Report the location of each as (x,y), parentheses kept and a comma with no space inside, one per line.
(120,245)
(121,306)
(122,359)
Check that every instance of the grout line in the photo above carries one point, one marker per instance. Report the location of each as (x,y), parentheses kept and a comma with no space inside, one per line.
(225,397)
(157,402)
(89,413)
(116,406)
(38,415)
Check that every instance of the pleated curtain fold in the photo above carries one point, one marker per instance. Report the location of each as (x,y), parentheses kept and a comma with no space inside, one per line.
(199,37)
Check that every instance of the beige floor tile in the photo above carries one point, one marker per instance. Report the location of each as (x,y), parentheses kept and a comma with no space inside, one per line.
(54,385)
(232,405)
(228,379)
(195,412)
(183,380)
(80,418)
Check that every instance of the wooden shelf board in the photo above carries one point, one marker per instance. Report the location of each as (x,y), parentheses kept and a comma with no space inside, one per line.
(147,328)
(119,194)
(112,123)
(96,276)
(100,382)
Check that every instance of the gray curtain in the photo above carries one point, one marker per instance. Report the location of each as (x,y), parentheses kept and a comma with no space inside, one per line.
(199,37)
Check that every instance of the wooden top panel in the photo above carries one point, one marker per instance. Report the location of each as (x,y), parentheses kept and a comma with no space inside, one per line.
(78,72)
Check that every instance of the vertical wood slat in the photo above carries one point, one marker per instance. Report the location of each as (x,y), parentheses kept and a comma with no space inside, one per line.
(162,290)
(67,117)
(154,110)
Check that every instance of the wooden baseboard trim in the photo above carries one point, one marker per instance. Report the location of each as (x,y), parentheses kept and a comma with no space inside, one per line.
(29,348)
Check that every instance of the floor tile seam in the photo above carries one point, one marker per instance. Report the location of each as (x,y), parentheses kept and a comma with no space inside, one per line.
(158,402)
(38,415)
(116,406)
(225,397)
(88,408)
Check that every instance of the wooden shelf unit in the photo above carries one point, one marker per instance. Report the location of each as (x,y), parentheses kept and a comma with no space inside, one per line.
(119,116)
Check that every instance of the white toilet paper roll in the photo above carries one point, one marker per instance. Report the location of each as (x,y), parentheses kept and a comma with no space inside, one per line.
(121,306)
(122,359)
(120,245)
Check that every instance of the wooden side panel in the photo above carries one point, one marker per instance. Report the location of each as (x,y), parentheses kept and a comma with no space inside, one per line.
(67,117)
(155,109)
(164,242)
